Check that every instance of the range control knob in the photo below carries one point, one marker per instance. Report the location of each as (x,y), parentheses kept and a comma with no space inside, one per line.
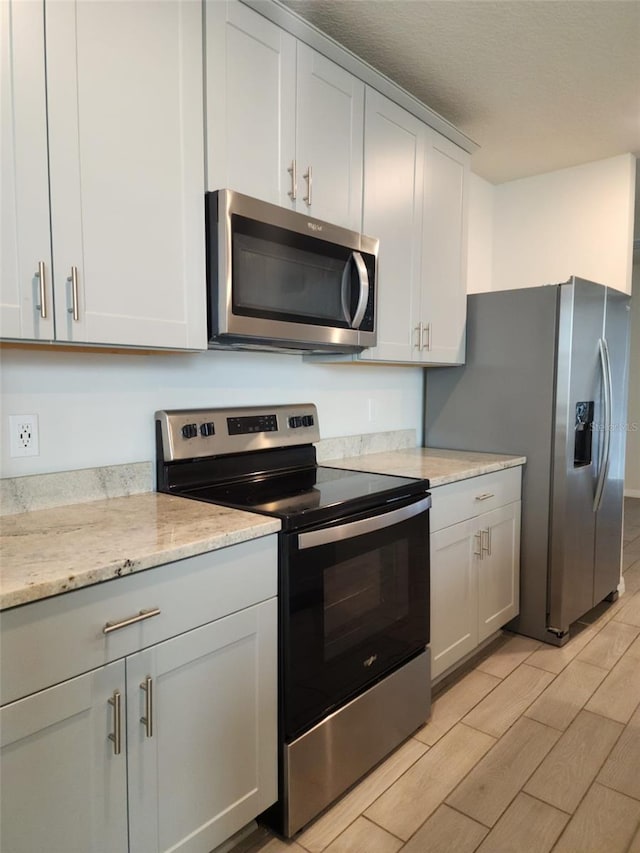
(295,422)
(307,420)
(207,429)
(189,430)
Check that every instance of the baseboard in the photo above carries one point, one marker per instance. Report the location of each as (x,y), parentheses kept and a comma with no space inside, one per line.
(632,493)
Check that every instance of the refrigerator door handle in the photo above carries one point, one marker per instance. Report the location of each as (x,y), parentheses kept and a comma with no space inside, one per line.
(605,456)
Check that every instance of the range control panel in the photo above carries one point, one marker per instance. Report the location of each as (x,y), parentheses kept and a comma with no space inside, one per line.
(191,433)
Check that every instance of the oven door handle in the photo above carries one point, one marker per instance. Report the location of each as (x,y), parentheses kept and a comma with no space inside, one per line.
(327,535)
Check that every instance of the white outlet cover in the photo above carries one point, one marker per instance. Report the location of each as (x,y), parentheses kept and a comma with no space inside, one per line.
(23,433)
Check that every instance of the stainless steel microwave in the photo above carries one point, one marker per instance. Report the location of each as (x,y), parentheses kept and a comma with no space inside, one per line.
(277,279)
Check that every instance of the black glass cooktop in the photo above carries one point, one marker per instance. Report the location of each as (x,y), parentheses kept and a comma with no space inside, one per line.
(309,495)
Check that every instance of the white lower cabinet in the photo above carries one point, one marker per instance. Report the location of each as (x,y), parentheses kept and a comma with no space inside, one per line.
(475,563)
(172,747)
(498,568)
(63,788)
(454,595)
(200,727)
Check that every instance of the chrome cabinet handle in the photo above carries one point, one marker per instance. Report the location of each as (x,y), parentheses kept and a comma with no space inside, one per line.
(478,537)
(73,278)
(426,336)
(293,171)
(308,176)
(486,548)
(485,496)
(147,720)
(116,735)
(142,615)
(419,329)
(40,275)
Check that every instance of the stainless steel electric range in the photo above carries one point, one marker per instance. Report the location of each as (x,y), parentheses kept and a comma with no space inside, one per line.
(354,664)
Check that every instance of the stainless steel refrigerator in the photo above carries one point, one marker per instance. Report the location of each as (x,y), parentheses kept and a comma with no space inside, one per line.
(546,376)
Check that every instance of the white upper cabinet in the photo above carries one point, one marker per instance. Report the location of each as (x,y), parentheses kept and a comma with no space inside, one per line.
(444,251)
(125,135)
(250,129)
(284,124)
(127,174)
(26,308)
(393,178)
(415,184)
(329,131)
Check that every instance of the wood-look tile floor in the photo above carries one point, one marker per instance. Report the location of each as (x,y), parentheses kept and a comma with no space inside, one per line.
(535,749)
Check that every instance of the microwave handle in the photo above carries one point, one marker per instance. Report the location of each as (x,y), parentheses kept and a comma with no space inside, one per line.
(363,298)
(327,535)
(346,280)
(363,277)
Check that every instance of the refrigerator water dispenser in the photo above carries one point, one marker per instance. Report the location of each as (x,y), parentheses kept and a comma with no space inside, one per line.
(584,434)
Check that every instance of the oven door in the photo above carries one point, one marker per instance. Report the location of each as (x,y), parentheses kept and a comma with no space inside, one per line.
(355,605)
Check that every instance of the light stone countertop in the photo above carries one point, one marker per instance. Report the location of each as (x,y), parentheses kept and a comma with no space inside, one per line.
(50,551)
(437,466)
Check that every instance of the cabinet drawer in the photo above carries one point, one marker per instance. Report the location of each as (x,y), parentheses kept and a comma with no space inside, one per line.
(48,641)
(456,502)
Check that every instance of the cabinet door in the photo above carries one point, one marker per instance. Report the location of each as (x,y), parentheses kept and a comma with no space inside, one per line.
(393,182)
(499,568)
(26,235)
(444,258)
(205,763)
(250,127)
(124,88)
(329,129)
(454,595)
(63,787)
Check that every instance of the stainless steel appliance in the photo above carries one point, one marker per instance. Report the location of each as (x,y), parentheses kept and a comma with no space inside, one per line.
(354,667)
(281,280)
(546,376)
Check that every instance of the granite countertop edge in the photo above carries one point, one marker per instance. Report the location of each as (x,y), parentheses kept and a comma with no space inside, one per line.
(52,551)
(438,465)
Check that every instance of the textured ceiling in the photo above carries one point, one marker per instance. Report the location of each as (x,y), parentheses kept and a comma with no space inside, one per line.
(538,84)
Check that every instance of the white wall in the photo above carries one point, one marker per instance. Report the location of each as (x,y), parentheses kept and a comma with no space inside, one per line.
(632,470)
(576,221)
(97,409)
(480,249)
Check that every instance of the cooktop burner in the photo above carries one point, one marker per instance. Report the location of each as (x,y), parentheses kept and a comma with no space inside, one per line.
(263,460)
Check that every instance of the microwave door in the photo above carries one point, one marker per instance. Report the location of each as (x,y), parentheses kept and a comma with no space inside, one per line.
(356,261)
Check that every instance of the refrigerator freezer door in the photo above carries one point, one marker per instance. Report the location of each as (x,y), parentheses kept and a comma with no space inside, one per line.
(573,521)
(608,542)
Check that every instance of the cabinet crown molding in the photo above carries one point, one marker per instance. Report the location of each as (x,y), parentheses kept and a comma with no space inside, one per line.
(315,38)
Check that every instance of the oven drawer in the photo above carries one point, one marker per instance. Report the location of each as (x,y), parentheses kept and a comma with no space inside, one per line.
(48,641)
(465,499)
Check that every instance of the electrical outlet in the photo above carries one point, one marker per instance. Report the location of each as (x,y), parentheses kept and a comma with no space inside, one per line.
(23,434)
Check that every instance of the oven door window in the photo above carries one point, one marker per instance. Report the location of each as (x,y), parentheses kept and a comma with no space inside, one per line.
(280,275)
(364,596)
(355,609)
